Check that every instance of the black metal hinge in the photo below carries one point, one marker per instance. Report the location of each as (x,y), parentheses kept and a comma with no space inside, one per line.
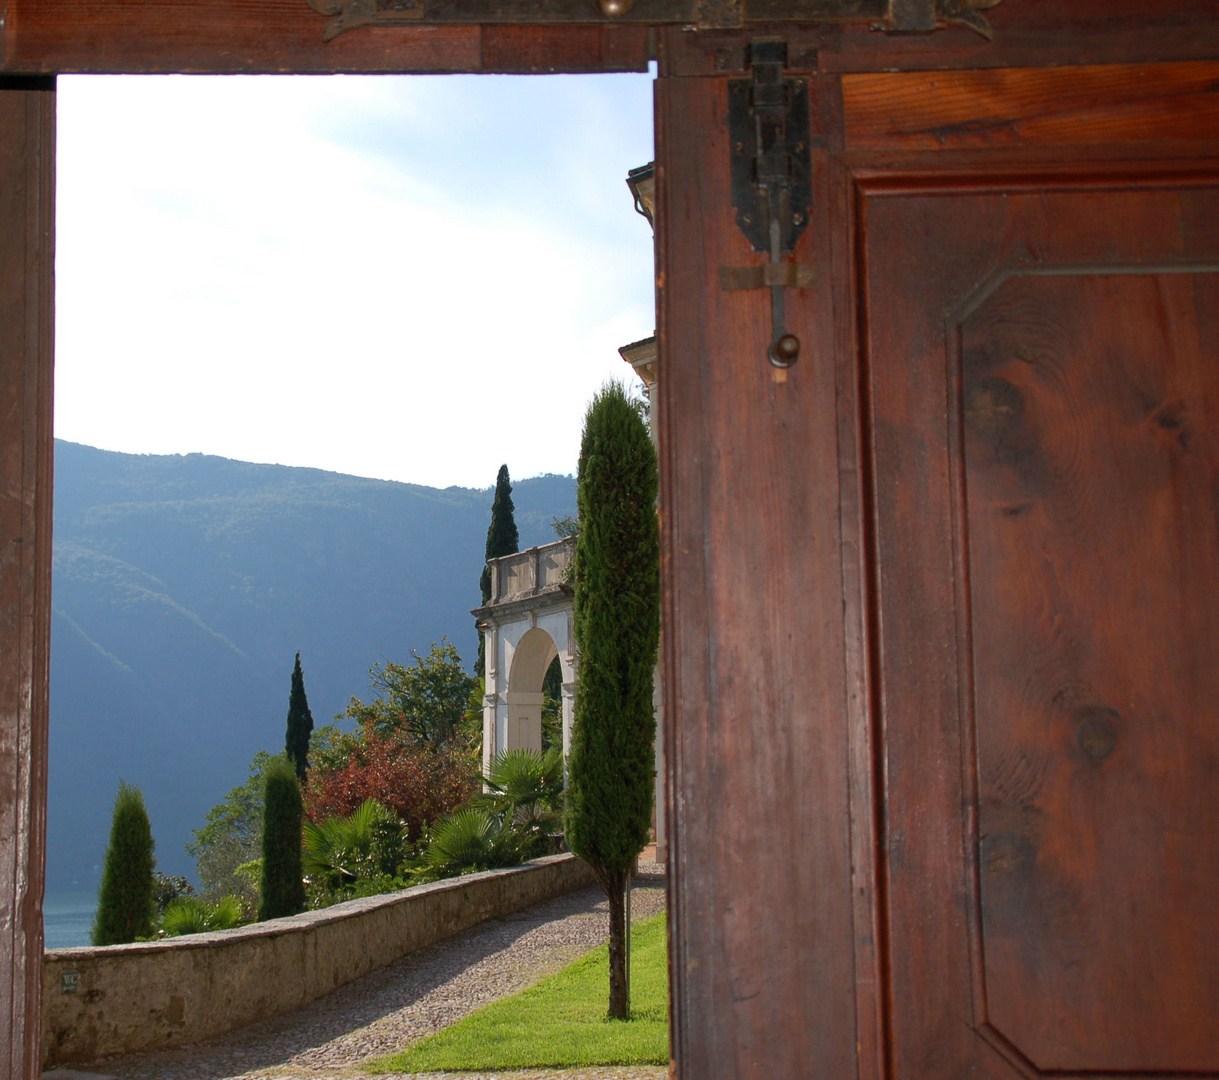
(772,182)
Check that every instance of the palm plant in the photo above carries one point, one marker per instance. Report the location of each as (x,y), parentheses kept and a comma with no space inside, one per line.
(525,791)
(191,915)
(471,839)
(340,851)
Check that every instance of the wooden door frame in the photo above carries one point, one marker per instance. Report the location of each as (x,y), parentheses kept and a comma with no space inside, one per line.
(38,40)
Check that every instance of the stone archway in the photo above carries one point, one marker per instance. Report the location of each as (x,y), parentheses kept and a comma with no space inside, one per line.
(527,622)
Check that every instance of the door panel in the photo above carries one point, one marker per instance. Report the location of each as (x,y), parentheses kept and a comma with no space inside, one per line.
(1043,417)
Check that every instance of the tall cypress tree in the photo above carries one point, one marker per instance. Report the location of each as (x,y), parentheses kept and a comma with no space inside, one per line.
(283,887)
(300,723)
(125,902)
(617,630)
(502,539)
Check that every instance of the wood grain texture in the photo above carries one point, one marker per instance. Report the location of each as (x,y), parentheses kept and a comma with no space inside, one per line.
(543,49)
(27,216)
(1092,462)
(1047,578)
(1153,103)
(1027,33)
(762,938)
(286,36)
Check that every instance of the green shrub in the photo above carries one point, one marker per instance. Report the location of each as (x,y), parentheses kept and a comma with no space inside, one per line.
(616,621)
(282,891)
(125,903)
(469,840)
(367,843)
(191,915)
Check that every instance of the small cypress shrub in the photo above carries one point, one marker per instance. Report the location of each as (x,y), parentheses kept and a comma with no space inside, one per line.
(617,629)
(126,903)
(283,887)
(300,723)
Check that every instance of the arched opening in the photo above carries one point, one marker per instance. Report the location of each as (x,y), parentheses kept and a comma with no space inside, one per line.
(531,658)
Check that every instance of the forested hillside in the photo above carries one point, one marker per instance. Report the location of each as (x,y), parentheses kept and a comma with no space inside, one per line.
(184,586)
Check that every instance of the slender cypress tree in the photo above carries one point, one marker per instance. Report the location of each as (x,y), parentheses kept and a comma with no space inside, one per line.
(283,887)
(502,539)
(617,630)
(125,902)
(300,723)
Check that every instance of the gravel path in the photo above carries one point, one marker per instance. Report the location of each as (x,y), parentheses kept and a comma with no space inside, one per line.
(420,994)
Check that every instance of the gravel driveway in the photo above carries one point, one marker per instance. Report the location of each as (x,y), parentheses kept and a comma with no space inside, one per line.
(387,1009)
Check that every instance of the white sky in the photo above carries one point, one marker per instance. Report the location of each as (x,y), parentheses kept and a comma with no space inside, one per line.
(413,278)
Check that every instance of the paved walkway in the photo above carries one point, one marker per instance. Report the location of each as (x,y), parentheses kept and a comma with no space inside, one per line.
(422,993)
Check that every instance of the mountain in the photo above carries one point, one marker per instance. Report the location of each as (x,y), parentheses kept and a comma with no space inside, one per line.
(183,587)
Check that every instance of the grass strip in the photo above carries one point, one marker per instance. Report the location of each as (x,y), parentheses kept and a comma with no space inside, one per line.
(560,1022)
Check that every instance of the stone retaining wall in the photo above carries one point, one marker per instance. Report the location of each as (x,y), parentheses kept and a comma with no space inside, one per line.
(126,998)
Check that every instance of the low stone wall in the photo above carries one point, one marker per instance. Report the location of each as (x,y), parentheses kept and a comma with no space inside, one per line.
(126,998)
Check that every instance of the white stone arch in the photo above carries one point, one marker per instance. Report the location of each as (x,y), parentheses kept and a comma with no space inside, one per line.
(527,623)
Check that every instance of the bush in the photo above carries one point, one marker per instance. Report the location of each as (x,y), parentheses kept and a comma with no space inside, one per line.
(191,915)
(166,888)
(419,784)
(125,902)
(365,845)
(282,891)
(469,840)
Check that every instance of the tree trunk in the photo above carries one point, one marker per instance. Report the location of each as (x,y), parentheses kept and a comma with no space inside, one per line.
(619,996)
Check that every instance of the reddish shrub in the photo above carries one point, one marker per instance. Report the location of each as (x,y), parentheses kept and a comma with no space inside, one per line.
(417,782)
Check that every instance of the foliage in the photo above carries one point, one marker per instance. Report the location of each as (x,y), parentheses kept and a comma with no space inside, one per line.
(525,789)
(552,706)
(365,844)
(166,887)
(502,539)
(300,723)
(191,915)
(125,902)
(565,526)
(471,839)
(515,820)
(557,1023)
(421,703)
(472,721)
(282,891)
(331,749)
(617,630)
(231,837)
(417,783)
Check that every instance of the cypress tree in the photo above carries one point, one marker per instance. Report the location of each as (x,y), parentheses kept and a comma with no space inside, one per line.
(617,630)
(502,539)
(126,901)
(300,723)
(283,887)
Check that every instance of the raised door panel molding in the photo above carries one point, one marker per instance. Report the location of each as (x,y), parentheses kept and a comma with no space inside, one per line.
(1042,408)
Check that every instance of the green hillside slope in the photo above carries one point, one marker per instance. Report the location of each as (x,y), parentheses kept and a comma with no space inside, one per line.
(184,585)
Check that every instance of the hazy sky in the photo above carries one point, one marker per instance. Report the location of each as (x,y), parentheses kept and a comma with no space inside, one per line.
(414,278)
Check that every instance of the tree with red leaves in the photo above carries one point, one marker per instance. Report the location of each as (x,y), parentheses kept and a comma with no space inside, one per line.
(418,782)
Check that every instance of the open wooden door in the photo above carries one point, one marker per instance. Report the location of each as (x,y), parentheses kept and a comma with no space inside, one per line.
(944,594)
(941,595)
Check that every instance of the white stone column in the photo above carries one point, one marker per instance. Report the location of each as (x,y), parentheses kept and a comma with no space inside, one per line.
(491,667)
(569,706)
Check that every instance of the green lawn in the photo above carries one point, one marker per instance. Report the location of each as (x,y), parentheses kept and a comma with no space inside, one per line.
(561,1021)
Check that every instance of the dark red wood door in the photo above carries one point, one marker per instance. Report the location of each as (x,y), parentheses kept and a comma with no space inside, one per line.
(1042,394)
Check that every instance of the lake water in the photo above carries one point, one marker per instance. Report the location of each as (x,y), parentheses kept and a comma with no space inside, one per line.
(67,918)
